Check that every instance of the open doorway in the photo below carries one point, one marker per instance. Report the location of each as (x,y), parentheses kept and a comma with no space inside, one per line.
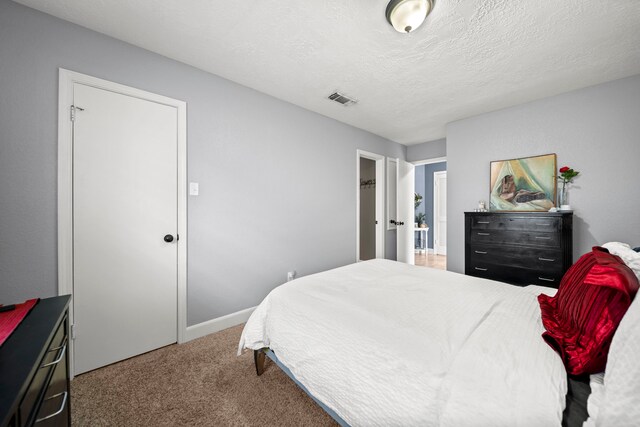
(370,206)
(367,209)
(430,214)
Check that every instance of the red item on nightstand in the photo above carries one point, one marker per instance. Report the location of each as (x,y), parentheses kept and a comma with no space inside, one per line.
(9,320)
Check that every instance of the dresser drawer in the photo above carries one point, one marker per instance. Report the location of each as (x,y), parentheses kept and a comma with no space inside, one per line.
(529,238)
(500,273)
(56,353)
(516,275)
(542,259)
(509,223)
(541,278)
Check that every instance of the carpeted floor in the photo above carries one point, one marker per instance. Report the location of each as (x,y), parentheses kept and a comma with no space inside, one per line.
(200,383)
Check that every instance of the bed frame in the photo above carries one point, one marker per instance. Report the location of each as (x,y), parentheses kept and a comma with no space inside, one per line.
(259,358)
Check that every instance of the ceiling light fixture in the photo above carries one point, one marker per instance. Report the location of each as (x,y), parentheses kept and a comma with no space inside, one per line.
(407,15)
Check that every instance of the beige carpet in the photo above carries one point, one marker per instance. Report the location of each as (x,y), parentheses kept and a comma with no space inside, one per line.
(200,383)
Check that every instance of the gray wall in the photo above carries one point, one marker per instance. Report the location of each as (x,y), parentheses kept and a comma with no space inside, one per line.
(427,150)
(277,183)
(595,130)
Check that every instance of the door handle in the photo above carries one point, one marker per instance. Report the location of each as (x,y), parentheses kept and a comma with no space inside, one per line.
(168,238)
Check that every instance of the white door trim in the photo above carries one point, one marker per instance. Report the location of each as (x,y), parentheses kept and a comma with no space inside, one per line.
(429,161)
(436,249)
(380,179)
(391,186)
(65,185)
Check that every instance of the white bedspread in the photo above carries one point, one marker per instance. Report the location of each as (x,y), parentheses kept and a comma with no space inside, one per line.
(389,344)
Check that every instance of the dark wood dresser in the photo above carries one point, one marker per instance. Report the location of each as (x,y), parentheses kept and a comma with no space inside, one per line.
(521,248)
(34,368)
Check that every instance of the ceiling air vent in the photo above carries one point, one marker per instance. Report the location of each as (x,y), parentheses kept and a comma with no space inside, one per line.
(342,99)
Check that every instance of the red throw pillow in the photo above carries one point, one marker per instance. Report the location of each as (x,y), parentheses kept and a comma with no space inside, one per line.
(582,317)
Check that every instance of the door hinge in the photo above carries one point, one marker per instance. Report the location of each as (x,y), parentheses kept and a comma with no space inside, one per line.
(73,332)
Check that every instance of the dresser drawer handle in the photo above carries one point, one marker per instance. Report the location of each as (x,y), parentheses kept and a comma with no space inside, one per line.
(55,362)
(484,234)
(59,411)
(480,252)
(546,259)
(543,238)
(544,279)
(481,269)
(484,222)
(59,347)
(542,223)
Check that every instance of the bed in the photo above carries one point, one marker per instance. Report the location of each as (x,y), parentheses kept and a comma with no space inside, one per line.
(381,343)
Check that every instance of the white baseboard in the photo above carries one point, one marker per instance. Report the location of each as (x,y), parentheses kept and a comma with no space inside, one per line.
(217,324)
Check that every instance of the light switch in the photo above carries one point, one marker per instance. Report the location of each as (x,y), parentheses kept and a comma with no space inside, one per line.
(194,189)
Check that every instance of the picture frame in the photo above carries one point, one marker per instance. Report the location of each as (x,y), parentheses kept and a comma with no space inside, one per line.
(525,184)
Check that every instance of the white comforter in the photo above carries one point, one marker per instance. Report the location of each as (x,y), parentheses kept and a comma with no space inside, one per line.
(389,344)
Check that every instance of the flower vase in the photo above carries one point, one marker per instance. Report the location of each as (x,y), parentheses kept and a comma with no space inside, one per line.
(563,198)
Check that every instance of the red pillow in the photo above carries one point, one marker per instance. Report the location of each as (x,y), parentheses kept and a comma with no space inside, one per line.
(582,317)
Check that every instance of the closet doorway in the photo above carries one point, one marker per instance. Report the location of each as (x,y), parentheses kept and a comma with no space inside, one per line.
(369,206)
(430,213)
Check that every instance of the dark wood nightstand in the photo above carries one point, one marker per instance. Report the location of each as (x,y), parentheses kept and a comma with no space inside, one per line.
(34,368)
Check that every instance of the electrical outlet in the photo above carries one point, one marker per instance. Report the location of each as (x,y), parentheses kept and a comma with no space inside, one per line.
(291,275)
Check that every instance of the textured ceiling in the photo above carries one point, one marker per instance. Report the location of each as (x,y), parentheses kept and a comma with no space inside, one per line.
(470,57)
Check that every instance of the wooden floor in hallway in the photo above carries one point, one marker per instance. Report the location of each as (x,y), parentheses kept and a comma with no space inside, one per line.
(431,260)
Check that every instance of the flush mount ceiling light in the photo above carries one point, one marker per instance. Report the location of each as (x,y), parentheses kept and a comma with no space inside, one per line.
(407,15)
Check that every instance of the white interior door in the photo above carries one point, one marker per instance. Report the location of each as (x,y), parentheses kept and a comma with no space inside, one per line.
(125,201)
(405,208)
(440,212)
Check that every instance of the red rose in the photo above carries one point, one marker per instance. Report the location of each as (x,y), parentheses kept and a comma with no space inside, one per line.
(564,169)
